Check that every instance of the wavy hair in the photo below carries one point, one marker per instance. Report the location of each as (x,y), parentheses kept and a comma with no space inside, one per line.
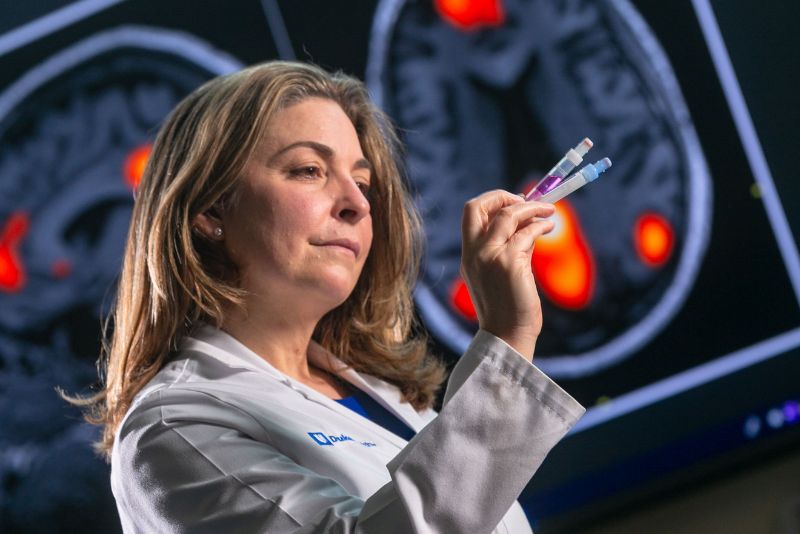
(173,276)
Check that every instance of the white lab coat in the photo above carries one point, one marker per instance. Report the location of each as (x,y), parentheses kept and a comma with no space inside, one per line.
(221,441)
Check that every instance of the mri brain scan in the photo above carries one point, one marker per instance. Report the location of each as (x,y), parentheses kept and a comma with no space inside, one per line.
(74,138)
(490,95)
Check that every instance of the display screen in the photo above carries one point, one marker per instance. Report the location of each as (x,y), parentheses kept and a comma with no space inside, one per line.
(717,386)
(670,287)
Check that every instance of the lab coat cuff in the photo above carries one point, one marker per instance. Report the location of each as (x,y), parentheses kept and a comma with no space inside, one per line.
(519,370)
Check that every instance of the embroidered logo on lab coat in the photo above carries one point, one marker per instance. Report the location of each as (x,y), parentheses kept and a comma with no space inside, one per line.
(329,440)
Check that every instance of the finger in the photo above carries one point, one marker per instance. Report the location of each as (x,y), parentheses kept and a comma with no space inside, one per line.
(513,218)
(481,209)
(524,239)
(549,208)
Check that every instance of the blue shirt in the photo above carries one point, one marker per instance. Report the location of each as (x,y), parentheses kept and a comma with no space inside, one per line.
(366,406)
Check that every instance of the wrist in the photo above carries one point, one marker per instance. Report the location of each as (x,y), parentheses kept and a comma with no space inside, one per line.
(522,341)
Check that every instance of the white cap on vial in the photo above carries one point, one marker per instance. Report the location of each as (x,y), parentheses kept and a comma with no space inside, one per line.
(584,146)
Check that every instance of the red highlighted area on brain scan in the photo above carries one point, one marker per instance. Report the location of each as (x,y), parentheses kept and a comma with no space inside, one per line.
(12,272)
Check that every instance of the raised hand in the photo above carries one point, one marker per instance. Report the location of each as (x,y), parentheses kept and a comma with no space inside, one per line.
(499,230)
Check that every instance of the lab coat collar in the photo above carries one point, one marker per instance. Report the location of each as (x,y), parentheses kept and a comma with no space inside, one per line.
(224,347)
(227,349)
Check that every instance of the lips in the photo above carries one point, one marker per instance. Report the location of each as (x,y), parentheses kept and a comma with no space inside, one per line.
(353,246)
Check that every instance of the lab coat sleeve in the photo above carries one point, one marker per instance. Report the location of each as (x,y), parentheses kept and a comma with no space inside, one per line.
(500,418)
(461,473)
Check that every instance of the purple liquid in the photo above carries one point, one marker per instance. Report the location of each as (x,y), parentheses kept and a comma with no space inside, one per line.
(545,185)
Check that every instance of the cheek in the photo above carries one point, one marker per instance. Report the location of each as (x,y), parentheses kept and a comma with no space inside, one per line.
(366,238)
(294,222)
(302,216)
(367,233)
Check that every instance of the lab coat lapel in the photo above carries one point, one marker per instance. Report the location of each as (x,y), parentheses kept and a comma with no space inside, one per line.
(228,350)
(353,417)
(384,394)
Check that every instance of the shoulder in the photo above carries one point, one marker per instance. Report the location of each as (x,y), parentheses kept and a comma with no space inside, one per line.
(192,388)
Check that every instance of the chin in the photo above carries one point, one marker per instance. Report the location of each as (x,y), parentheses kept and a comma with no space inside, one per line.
(336,292)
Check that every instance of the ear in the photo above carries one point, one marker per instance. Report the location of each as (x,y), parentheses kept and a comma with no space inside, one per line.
(209,223)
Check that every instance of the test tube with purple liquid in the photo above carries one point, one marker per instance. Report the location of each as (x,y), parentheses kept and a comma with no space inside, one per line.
(561,170)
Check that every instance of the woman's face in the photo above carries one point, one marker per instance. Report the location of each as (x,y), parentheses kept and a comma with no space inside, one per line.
(300,230)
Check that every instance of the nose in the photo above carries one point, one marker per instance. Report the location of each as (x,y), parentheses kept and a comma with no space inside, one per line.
(350,205)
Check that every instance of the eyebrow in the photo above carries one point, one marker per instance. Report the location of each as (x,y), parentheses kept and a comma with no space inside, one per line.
(324,150)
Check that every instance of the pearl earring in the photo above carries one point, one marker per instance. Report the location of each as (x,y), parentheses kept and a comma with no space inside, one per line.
(218,232)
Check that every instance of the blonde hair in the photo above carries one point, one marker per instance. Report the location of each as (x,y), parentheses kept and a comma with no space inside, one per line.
(173,276)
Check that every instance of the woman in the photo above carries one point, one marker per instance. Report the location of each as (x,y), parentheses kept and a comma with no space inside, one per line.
(268,275)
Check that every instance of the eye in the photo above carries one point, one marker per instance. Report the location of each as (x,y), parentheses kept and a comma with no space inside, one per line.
(306,171)
(365,188)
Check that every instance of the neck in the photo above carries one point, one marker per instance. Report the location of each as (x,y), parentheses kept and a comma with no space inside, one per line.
(278,336)
(282,339)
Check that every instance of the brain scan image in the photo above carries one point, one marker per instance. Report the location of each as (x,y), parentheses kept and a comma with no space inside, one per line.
(74,138)
(667,285)
(490,95)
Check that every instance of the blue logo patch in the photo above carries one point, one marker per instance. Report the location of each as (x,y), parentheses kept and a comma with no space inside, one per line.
(320,438)
(325,439)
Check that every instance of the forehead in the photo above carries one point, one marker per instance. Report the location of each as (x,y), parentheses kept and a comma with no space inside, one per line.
(312,119)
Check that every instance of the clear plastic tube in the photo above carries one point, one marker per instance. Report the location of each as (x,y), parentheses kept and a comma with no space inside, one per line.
(560,170)
(547,184)
(588,174)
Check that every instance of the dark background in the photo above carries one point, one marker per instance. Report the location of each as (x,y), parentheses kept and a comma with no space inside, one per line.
(674,444)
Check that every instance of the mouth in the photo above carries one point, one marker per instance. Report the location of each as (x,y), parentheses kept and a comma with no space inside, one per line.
(344,244)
